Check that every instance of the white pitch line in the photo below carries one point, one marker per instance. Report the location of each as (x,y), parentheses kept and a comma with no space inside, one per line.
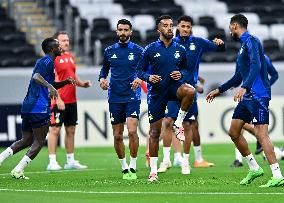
(142,193)
(60,171)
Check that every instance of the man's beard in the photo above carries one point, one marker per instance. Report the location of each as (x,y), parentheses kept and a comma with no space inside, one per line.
(168,36)
(234,37)
(123,38)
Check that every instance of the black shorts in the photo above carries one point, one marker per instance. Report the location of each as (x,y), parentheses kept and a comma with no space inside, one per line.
(69,116)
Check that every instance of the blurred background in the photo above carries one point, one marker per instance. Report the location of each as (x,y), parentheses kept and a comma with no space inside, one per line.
(91,26)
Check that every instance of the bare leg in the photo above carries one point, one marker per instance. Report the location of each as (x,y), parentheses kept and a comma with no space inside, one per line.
(26,141)
(132,124)
(167,131)
(69,138)
(118,140)
(261,132)
(39,139)
(188,137)
(53,139)
(195,132)
(185,94)
(238,139)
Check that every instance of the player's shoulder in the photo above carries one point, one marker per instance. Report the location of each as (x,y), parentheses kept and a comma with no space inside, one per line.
(179,46)
(152,45)
(111,47)
(45,61)
(135,46)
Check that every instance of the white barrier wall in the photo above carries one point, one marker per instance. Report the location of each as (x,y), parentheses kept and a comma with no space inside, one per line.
(94,128)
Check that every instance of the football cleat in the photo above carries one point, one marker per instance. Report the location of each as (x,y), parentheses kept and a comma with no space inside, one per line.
(18,175)
(164,166)
(274,182)
(74,165)
(153,177)
(179,132)
(251,176)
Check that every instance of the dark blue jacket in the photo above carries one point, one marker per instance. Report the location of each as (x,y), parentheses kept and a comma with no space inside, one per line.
(195,47)
(121,60)
(251,69)
(37,99)
(160,60)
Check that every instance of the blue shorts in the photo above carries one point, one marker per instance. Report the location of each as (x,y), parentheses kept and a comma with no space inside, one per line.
(120,111)
(157,104)
(253,111)
(31,121)
(173,109)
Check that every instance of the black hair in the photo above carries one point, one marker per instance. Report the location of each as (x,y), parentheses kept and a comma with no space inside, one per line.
(48,44)
(55,36)
(124,22)
(162,17)
(240,19)
(185,18)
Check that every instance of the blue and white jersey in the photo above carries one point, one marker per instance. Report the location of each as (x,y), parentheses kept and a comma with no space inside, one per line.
(121,60)
(195,47)
(157,59)
(251,69)
(37,99)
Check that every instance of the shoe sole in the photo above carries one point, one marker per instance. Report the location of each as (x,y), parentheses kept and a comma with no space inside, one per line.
(249,182)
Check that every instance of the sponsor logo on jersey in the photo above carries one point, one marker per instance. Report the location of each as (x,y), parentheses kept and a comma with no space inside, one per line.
(114,56)
(157,55)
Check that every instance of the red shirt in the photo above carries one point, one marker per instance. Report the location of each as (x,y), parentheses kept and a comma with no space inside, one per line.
(65,67)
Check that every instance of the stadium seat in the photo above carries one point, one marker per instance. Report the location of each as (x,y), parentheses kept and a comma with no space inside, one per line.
(270,45)
(215,7)
(207,21)
(142,23)
(260,31)
(216,33)
(114,19)
(200,31)
(151,36)
(277,32)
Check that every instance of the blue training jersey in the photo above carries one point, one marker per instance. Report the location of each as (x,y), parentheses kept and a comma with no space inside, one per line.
(121,60)
(160,60)
(251,69)
(195,47)
(37,99)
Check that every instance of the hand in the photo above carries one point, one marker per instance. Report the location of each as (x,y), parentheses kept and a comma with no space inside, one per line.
(136,83)
(60,104)
(176,75)
(201,80)
(211,96)
(70,80)
(218,41)
(104,84)
(86,84)
(53,94)
(199,88)
(239,95)
(155,78)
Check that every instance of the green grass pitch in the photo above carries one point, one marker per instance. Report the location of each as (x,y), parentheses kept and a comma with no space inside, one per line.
(102,181)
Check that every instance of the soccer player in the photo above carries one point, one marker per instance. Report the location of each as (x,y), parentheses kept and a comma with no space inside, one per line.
(124,93)
(164,66)
(272,72)
(35,110)
(195,47)
(253,98)
(65,109)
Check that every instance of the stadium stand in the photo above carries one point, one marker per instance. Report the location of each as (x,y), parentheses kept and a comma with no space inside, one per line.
(15,51)
(91,23)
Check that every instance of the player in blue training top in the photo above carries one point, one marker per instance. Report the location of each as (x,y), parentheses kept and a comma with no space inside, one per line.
(35,110)
(124,93)
(164,67)
(195,47)
(272,72)
(253,98)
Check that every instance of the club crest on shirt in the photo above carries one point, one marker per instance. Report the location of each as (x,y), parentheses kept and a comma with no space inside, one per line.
(157,55)
(177,55)
(192,47)
(131,57)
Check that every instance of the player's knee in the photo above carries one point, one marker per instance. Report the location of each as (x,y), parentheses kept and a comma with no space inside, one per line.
(186,126)
(132,134)
(233,134)
(118,137)
(189,91)
(168,122)
(155,134)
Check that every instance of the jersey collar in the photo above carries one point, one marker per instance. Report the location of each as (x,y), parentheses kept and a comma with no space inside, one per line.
(244,36)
